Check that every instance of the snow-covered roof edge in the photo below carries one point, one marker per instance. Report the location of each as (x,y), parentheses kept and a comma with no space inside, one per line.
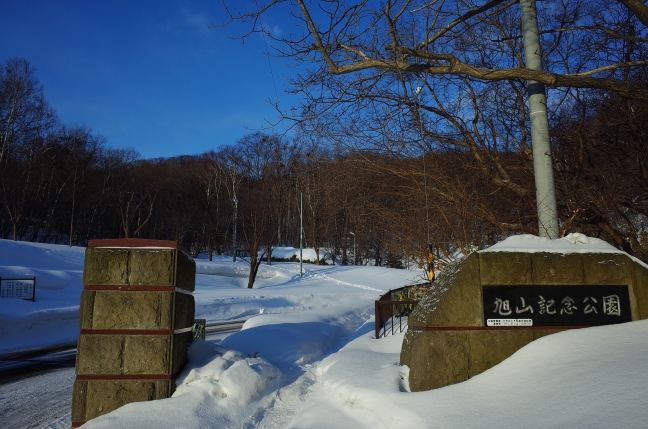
(572,243)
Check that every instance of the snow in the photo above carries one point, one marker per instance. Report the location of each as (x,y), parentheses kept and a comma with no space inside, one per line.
(590,378)
(54,317)
(571,243)
(308,359)
(307,254)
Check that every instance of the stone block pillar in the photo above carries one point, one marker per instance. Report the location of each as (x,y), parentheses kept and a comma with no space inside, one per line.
(136,314)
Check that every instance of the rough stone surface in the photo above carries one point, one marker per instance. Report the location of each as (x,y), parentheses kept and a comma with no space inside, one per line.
(501,268)
(100,354)
(132,354)
(442,358)
(104,396)
(438,358)
(539,333)
(488,348)
(139,267)
(150,267)
(186,272)
(147,354)
(86,309)
(97,397)
(106,266)
(180,347)
(164,389)
(601,268)
(552,269)
(137,310)
(639,291)
(184,312)
(79,396)
(458,289)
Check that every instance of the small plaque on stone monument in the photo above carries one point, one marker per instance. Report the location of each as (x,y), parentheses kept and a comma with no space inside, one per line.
(574,305)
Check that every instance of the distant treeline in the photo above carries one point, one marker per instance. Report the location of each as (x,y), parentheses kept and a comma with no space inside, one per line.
(62,184)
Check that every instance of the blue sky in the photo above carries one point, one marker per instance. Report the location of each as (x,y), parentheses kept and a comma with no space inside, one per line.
(147,74)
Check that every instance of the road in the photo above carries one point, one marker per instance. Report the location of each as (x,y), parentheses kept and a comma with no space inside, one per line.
(36,391)
(41,400)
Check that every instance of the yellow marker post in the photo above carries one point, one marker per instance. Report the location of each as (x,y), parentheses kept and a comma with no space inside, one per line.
(430,263)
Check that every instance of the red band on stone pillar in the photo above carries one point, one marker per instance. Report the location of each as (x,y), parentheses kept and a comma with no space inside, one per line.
(134,288)
(86,377)
(132,242)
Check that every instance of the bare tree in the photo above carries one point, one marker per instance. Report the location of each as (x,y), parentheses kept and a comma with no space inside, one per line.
(259,158)
(212,183)
(601,163)
(24,112)
(417,77)
(312,181)
(463,38)
(136,198)
(108,177)
(233,170)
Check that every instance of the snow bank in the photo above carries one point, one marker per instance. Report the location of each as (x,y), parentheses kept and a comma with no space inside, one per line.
(285,291)
(233,384)
(301,338)
(307,254)
(572,243)
(219,388)
(588,378)
(53,317)
(221,291)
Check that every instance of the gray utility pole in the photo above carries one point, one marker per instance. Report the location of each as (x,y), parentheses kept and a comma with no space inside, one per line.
(301,234)
(542,161)
(235,201)
(354,248)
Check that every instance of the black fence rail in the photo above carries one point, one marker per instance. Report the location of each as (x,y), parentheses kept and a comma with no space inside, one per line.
(388,311)
(392,306)
(201,327)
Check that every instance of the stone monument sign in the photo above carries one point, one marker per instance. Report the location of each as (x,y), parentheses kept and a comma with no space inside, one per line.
(485,307)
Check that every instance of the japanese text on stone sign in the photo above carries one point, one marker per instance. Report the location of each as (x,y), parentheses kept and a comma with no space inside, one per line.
(543,305)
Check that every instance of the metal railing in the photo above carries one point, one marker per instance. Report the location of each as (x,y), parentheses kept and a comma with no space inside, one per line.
(201,327)
(226,326)
(389,307)
(387,311)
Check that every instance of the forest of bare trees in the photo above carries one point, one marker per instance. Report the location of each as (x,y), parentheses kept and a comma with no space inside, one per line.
(441,87)
(385,152)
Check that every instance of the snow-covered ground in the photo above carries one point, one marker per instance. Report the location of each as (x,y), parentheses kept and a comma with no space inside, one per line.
(308,358)
(54,317)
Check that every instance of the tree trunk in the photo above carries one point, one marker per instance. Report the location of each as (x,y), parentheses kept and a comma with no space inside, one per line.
(255,261)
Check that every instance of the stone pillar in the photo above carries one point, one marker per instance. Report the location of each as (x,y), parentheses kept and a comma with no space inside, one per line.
(136,314)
